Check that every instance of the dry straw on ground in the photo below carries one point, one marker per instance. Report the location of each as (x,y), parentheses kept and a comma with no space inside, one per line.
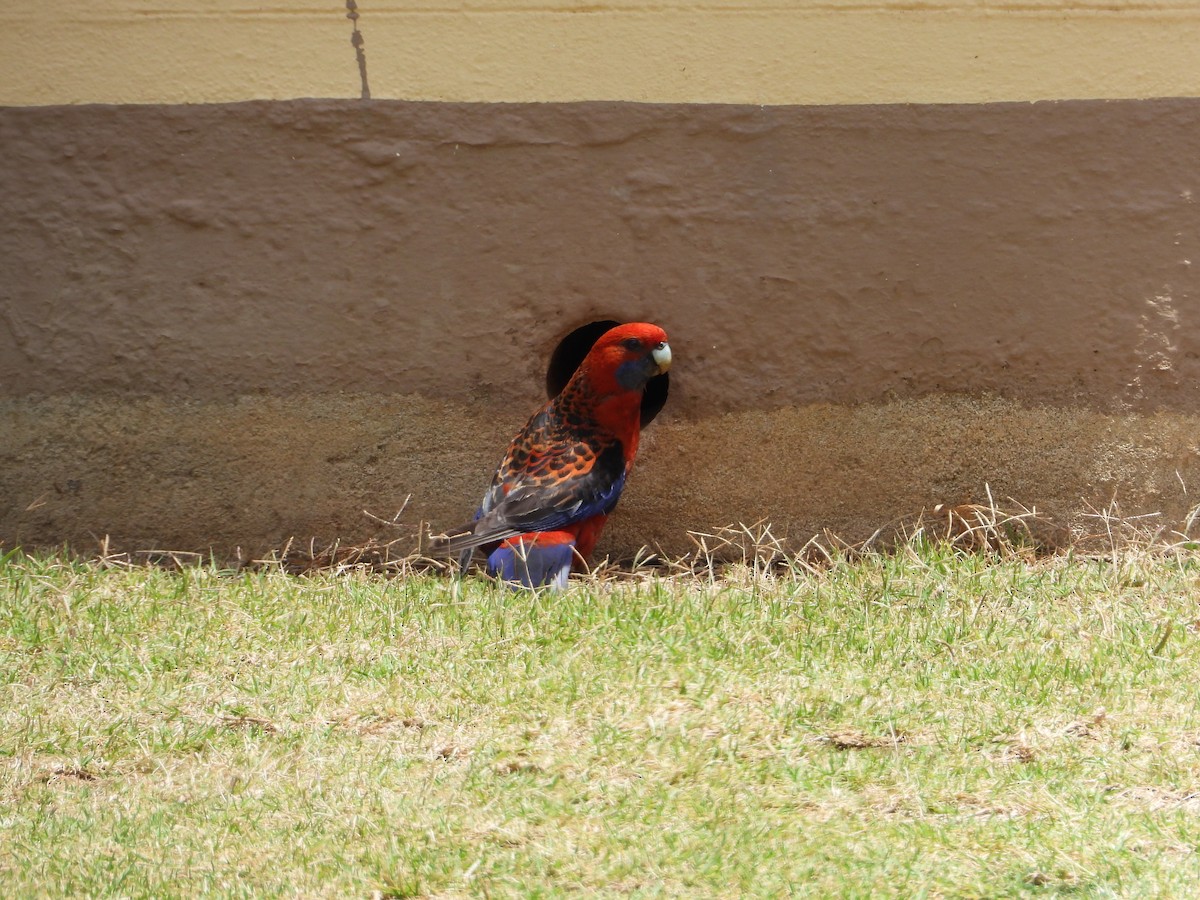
(1004,529)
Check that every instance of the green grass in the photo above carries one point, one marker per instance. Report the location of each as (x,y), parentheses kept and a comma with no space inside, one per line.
(925,723)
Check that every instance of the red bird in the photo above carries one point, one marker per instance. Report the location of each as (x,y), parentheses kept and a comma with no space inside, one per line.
(565,470)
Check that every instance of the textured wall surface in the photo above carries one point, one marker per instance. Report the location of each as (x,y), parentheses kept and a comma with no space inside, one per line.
(1041,252)
(737,51)
(222,326)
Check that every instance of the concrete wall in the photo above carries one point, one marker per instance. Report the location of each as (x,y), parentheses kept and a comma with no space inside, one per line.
(224,324)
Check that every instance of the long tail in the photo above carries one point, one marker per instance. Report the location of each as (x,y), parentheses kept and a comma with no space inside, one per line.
(453,541)
(479,533)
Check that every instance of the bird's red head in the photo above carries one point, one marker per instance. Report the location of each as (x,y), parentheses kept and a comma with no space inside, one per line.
(626,357)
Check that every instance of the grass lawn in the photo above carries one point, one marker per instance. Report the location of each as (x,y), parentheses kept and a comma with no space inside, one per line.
(921,723)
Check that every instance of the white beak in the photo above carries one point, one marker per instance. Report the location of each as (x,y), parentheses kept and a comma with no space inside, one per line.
(662,356)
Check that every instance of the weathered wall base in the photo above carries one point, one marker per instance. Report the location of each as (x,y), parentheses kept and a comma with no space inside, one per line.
(250,473)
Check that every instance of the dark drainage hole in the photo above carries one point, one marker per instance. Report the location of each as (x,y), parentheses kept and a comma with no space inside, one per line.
(575,346)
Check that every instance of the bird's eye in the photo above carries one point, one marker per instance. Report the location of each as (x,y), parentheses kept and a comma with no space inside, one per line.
(631,344)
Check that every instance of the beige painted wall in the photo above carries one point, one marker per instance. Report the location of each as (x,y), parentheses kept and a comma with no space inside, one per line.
(736,51)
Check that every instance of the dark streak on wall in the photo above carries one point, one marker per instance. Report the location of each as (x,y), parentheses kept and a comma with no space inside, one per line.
(359,43)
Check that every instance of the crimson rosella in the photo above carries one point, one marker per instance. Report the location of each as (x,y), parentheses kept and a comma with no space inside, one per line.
(564,471)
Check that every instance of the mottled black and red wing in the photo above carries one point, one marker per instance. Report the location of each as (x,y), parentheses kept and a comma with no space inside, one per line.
(564,485)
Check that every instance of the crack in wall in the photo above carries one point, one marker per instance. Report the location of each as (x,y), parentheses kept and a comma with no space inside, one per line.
(357,41)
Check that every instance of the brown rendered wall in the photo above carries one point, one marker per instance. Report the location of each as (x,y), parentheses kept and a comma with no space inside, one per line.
(225,325)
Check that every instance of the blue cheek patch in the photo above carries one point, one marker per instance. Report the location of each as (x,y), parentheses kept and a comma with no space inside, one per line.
(633,374)
(532,565)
